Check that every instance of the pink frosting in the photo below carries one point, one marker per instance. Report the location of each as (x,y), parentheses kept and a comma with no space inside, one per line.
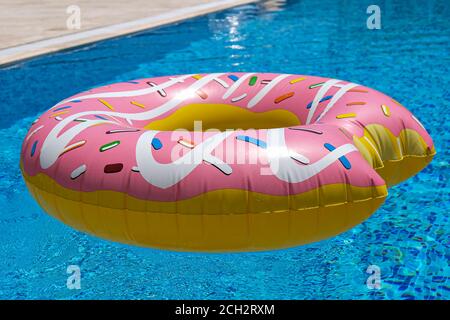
(364,102)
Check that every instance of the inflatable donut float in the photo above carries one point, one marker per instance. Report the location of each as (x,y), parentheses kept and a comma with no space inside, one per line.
(221,162)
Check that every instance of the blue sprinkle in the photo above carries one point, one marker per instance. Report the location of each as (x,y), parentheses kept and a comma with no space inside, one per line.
(233,77)
(344,161)
(33,148)
(135,82)
(156,144)
(62,108)
(257,142)
(100,117)
(323,99)
(75,100)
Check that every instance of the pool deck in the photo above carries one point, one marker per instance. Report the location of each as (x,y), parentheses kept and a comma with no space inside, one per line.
(33,27)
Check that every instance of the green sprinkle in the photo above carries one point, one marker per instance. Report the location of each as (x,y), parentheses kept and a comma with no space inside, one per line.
(316,85)
(253,80)
(109,145)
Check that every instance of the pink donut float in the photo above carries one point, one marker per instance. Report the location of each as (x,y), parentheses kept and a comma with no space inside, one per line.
(221,162)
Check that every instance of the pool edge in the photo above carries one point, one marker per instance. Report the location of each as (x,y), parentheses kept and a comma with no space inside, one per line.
(26,51)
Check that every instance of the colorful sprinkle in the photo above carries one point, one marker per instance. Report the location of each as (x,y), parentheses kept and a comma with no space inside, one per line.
(76,101)
(58,118)
(137,104)
(254,141)
(265,81)
(356,103)
(396,102)
(233,77)
(121,131)
(358,90)
(346,115)
(113,168)
(219,164)
(298,157)
(72,147)
(33,132)
(321,100)
(386,110)
(161,91)
(186,143)
(284,97)
(62,108)
(156,144)
(202,94)
(316,85)
(109,145)
(221,82)
(80,120)
(106,104)
(33,148)
(296,80)
(135,169)
(307,130)
(78,172)
(252,81)
(134,82)
(343,160)
(58,114)
(197,77)
(100,117)
(236,99)
(35,121)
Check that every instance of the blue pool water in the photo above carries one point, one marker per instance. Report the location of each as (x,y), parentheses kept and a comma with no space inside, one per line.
(408,237)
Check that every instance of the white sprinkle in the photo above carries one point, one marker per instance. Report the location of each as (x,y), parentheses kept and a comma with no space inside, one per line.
(35,121)
(236,99)
(298,157)
(78,172)
(307,130)
(221,82)
(33,132)
(186,144)
(121,130)
(135,169)
(219,164)
(58,118)
(159,89)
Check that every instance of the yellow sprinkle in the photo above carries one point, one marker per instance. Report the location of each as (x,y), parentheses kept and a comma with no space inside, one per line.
(97,124)
(58,114)
(106,104)
(396,102)
(138,104)
(386,110)
(346,115)
(197,77)
(296,80)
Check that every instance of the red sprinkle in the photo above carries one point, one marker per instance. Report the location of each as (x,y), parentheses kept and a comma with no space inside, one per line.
(113,168)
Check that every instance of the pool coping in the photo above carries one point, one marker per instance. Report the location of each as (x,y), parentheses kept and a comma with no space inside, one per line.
(30,50)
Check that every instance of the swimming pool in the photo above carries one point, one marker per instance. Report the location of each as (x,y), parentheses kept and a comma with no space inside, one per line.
(408,237)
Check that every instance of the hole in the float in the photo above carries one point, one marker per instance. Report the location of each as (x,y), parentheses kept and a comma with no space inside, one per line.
(223,117)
